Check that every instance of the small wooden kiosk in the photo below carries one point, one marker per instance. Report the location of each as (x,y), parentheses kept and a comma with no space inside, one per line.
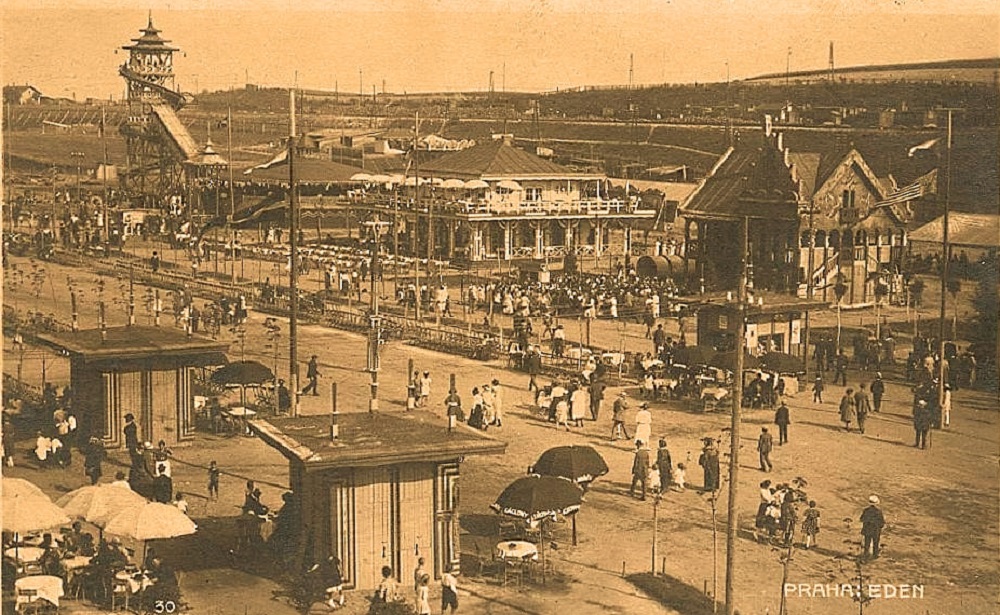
(145,371)
(383,493)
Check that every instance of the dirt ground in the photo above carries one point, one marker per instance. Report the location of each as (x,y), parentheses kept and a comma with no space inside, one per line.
(940,504)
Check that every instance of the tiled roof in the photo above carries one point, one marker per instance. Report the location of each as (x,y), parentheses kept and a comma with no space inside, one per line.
(745,176)
(806,166)
(495,160)
(972,230)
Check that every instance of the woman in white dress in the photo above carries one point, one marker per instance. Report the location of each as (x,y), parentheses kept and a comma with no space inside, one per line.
(579,405)
(643,423)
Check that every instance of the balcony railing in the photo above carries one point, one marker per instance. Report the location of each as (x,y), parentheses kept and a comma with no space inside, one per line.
(487,207)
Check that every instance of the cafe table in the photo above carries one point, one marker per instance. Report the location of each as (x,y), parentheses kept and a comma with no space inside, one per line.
(44,587)
(517,550)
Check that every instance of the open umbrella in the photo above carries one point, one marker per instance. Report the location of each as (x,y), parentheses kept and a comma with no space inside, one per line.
(510,184)
(536,497)
(150,521)
(453,184)
(380,179)
(694,355)
(580,464)
(727,361)
(241,374)
(476,184)
(19,486)
(27,512)
(98,503)
(782,363)
(361,177)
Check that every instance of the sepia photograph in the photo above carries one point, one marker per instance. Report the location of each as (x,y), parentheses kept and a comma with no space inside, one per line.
(509,307)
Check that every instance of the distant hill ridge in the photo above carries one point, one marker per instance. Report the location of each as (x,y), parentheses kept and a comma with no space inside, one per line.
(976,63)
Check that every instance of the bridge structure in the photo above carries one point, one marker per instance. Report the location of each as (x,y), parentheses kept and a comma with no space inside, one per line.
(158,146)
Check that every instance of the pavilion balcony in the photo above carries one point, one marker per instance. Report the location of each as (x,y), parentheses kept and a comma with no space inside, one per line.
(476,208)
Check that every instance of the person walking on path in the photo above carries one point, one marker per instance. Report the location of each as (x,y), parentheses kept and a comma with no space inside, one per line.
(418,575)
(449,591)
(618,417)
(643,423)
(596,397)
(664,464)
(818,389)
(579,405)
(93,457)
(810,524)
(659,338)
(312,373)
(425,389)
(862,405)
(533,363)
(946,405)
(878,390)
(840,369)
(921,422)
(848,411)
(640,469)
(782,420)
(709,462)
(765,444)
(498,401)
(872,522)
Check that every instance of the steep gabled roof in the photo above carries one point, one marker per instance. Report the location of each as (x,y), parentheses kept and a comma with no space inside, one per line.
(496,160)
(747,181)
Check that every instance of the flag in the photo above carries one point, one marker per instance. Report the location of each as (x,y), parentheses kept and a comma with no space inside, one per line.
(925,184)
(280,159)
(926,145)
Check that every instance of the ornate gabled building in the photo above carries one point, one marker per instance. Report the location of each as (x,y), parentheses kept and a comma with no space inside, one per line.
(816,220)
(496,201)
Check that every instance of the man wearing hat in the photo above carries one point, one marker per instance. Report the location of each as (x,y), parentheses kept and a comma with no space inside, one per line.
(921,422)
(709,462)
(618,417)
(640,469)
(872,522)
(878,390)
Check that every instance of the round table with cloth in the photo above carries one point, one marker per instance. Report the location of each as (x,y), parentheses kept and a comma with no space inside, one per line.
(517,549)
(45,587)
(25,555)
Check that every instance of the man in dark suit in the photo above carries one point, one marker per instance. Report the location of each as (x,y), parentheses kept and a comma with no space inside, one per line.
(312,373)
(640,468)
(782,420)
(765,443)
(872,522)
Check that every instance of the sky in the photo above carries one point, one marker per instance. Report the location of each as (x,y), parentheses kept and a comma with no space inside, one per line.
(68,47)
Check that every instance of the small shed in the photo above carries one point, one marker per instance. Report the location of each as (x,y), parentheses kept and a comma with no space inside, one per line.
(145,371)
(383,493)
(777,324)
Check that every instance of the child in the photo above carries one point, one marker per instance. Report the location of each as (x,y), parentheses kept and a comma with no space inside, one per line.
(810,524)
(654,479)
(213,480)
(423,596)
(562,413)
(680,472)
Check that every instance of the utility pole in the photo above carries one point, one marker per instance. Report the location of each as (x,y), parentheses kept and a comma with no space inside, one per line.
(104,178)
(945,254)
(232,187)
(734,447)
(374,320)
(293,270)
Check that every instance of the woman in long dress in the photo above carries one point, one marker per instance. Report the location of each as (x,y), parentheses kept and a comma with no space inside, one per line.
(579,405)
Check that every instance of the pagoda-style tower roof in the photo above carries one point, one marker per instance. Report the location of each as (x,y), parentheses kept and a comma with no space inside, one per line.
(208,157)
(150,40)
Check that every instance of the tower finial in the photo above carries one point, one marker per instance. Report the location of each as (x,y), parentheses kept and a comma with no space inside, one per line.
(150,24)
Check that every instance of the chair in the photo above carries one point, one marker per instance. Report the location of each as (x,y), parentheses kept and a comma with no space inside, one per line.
(120,588)
(27,599)
(513,570)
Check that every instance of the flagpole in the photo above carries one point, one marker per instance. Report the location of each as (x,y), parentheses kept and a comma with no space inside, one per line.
(945,254)
(293,270)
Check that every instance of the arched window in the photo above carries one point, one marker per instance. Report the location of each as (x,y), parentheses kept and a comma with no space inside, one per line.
(821,240)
